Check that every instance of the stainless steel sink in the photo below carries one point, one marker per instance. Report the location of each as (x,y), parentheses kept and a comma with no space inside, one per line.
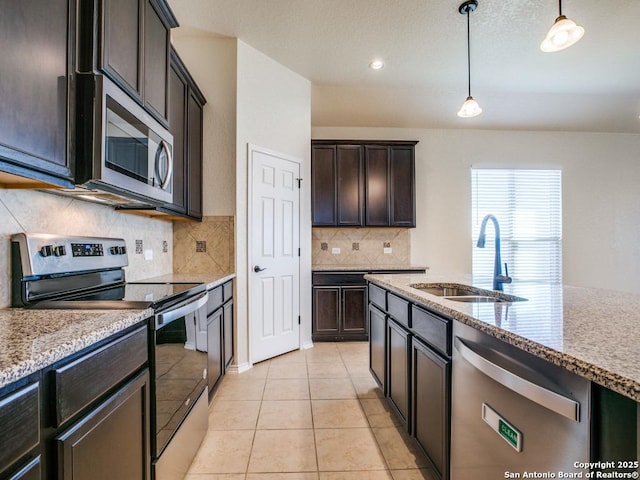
(465,293)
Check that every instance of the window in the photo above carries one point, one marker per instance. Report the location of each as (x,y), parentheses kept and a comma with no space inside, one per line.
(528,206)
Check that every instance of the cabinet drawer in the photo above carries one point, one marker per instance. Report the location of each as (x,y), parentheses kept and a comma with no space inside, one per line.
(339,279)
(19,424)
(377,297)
(227,291)
(434,330)
(84,380)
(215,300)
(398,308)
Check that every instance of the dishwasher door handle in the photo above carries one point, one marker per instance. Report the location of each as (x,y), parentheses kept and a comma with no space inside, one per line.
(542,396)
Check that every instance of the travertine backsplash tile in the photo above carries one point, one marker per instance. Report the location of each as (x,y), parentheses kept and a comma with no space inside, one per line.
(205,247)
(361,246)
(37,212)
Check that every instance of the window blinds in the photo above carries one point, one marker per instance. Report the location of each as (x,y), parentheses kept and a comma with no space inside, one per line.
(528,206)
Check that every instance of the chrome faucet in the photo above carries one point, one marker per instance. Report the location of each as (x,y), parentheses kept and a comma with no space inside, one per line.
(498,278)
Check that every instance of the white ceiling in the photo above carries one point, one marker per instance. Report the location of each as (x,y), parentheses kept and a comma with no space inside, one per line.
(592,86)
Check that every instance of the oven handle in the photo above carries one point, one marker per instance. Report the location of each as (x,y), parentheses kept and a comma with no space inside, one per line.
(163,319)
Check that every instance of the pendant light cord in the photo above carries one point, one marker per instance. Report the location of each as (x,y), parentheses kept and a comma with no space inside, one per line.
(560,8)
(468,56)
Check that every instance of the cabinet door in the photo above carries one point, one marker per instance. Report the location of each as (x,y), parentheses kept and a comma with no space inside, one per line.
(194,157)
(378,346)
(112,441)
(228,333)
(214,348)
(122,43)
(37,47)
(402,187)
(156,61)
(350,185)
(376,185)
(398,368)
(323,185)
(177,126)
(31,471)
(430,405)
(354,310)
(326,310)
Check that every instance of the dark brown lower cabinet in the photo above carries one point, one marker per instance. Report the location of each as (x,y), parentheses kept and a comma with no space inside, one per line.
(339,313)
(398,344)
(215,366)
(431,375)
(227,330)
(31,471)
(112,440)
(377,345)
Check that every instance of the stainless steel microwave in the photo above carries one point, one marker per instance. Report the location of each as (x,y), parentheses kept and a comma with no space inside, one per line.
(121,149)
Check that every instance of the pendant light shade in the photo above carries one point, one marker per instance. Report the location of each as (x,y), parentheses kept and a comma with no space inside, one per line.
(562,34)
(470,107)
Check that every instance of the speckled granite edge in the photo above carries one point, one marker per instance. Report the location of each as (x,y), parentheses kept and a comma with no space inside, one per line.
(211,280)
(613,380)
(31,340)
(366,268)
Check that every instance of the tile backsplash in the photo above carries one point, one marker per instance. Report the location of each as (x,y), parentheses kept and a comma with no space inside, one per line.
(205,247)
(361,246)
(37,212)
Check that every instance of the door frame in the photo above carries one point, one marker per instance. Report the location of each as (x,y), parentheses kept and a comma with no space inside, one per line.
(251,148)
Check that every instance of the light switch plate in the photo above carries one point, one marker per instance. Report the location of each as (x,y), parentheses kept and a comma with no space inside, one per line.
(387,250)
(335,250)
(148,254)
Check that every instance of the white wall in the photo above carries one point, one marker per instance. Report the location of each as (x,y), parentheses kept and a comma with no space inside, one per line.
(211,60)
(273,112)
(601,195)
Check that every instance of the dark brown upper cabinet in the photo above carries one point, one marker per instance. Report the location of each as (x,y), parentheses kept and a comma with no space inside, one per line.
(129,41)
(363,183)
(186,104)
(337,185)
(36,72)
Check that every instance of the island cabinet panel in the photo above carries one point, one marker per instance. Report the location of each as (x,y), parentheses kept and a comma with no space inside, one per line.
(398,341)
(378,346)
(362,183)
(38,45)
(430,412)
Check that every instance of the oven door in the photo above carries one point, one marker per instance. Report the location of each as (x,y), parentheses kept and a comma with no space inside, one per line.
(179,367)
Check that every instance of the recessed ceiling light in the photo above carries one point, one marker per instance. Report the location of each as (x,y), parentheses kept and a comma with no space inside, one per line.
(376,65)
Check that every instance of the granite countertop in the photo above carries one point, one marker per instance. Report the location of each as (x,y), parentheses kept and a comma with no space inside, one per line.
(591,332)
(365,268)
(33,339)
(212,280)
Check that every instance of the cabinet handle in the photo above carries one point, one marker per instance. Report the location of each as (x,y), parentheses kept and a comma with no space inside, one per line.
(542,396)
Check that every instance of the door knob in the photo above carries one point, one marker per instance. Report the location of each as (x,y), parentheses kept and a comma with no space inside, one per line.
(257,269)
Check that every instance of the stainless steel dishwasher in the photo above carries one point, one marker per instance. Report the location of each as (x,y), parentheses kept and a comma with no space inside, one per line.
(513,412)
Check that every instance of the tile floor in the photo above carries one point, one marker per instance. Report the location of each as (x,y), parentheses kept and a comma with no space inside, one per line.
(307,415)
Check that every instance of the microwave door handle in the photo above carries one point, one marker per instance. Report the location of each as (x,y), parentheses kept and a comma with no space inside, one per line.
(542,396)
(165,181)
(164,318)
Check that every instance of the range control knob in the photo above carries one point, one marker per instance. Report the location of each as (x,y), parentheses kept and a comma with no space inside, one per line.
(59,251)
(117,250)
(113,250)
(46,251)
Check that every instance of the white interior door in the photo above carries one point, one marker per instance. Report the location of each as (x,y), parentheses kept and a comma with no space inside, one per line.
(274,268)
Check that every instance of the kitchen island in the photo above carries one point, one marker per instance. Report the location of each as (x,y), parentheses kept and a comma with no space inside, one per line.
(589,334)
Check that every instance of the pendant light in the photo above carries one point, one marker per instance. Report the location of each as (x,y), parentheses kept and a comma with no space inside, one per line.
(562,34)
(470,107)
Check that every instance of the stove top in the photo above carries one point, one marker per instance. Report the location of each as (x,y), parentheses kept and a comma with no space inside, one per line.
(134,295)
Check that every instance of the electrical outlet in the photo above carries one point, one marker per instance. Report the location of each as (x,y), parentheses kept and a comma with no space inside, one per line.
(335,250)
(387,250)
(148,254)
